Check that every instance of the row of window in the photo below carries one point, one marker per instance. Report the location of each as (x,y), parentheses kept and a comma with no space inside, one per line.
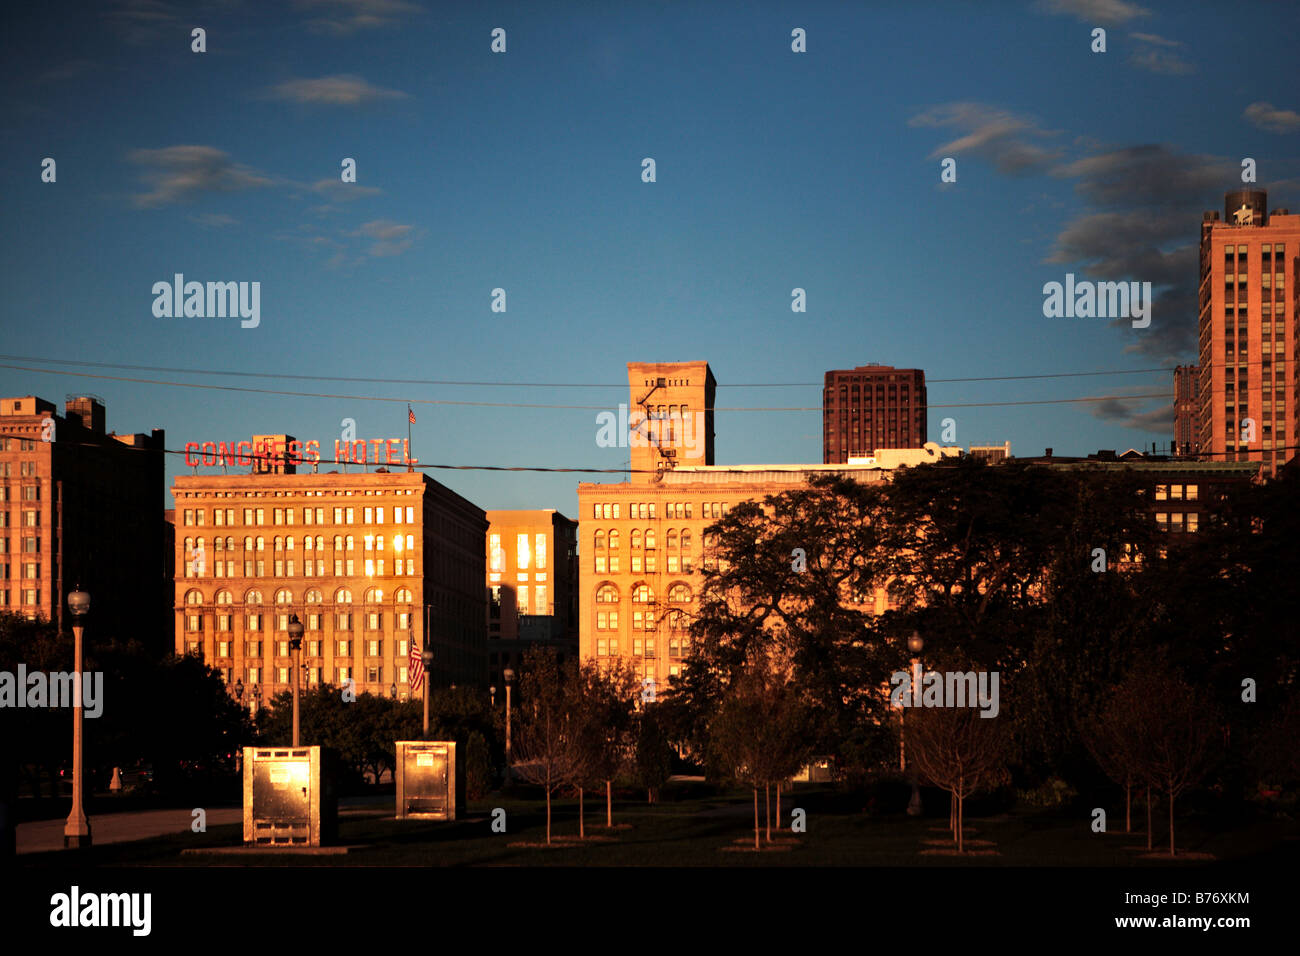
(285,516)
(607,620)
(225,648)
(678,647)
(26,469)
(17,444)
(311,596)
(31,519)
(252,676)
(528,550)
(311,621)
(606,510)
(371,542)
(30,569)
(197,567)
(527,601)
(29,545)
(29,596)
(1178,521)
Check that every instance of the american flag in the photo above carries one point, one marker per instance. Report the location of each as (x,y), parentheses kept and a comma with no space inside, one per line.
(415,675)
(410,414)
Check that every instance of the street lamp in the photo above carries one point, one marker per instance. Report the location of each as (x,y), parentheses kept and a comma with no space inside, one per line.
(915,645)
(239,691)
(257,698)
(426,657)
(510,681)
(76,832)
(295,629)
(392,690)
(492,693)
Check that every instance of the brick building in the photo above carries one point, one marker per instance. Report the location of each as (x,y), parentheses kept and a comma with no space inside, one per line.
(84,508)
(365,560)
(870,407)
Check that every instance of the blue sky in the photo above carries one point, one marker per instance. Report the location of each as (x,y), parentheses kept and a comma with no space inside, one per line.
(522,171)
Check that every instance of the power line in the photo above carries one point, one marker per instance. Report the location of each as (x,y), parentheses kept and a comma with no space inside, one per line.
(450,382)
(714,469)
(438,401)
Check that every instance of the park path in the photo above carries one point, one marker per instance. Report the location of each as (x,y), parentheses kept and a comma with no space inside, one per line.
(40,836)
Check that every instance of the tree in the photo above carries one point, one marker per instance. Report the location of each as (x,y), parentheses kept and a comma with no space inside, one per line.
(760,734)
(1179,727)
(602,700)
(546,745)
(654,753)
(958,750)
(1112,740)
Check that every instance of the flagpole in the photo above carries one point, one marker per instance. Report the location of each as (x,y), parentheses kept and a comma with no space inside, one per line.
(409,413)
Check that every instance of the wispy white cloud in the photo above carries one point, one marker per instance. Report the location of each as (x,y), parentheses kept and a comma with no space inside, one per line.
(998,136)
(1268,117)
(340,90)
(182,173)
(343,17)
(1104,12)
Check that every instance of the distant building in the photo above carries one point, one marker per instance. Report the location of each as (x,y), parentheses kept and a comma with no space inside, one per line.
(366,561)
(1177,491)
(84,508)
(870,407)
(991,453)
(1248,390)
(1187,434)
(642,542)
(532,583)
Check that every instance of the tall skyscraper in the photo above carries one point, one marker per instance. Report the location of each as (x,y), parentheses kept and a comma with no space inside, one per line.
(1187,436)
(870,407)
(1247,332)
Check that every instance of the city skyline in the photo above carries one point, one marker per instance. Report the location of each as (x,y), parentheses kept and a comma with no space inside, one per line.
(230,171)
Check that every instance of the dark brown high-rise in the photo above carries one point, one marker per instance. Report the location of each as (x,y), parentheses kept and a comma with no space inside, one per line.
(870,407)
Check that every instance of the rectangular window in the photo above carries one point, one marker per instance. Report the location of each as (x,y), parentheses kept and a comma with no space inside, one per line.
(342,648)
(523,599)
(522,551)
(601,566)
(409,511)
(540,605)
(252,648)
(1162,492)
(540,562)
(374,648)
(343,622)
(351,514)
(261,516)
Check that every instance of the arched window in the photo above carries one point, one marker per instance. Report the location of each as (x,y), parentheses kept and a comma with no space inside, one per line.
(342,596)
(288,543)
(217,544)
(650,539)
(642,594)
(679,594)
(278,544)
(261,543)
(248,544)
(350,542)
(307,543)
(613,540)
(636,538)
(225,597)
(671,544)
(320,542)
(403,596)
(253,597)
(283,596)
(686,541)
(193,597)
(312,596)
(607,594)
(600,541)
(374,595)
(338,542)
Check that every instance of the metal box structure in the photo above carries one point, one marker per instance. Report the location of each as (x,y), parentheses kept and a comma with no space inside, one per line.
(430,784)
(289,796)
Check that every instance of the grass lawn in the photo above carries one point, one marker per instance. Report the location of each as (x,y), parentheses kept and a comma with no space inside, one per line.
(708,830)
